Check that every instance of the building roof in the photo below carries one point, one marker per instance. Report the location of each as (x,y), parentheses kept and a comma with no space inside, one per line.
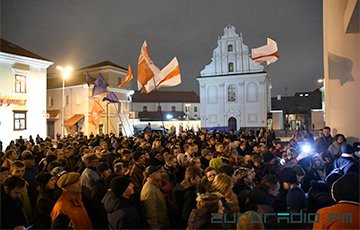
(11,48)
(102,64)
(167,96)
(230,74)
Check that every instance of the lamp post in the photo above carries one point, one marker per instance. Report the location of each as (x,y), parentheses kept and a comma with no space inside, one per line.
(66,74)
(187,106)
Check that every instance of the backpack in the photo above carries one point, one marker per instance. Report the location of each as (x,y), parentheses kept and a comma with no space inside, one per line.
(337,172)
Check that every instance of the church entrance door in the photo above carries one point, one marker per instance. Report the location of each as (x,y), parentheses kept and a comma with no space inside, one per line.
(232,123)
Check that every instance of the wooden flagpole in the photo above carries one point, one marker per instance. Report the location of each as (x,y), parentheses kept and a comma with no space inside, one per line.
(267,104)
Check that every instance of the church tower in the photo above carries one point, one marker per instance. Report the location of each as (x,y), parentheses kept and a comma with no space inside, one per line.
(232,88)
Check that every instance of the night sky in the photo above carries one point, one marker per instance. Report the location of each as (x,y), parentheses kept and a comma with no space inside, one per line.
(82,33)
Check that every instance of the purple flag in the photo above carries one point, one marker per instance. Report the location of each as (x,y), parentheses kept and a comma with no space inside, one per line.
(87,77)
(99,86)
(111,98)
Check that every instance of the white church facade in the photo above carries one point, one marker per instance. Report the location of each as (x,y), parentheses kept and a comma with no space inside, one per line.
(232,88)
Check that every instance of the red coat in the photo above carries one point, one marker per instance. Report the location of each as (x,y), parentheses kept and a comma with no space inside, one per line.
(76,212)
(338,211)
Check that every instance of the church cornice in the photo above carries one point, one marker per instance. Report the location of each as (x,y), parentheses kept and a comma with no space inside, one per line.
(234,74)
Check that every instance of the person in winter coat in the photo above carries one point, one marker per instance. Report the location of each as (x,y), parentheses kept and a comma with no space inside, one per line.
(207,204)
(244,185)
(89,176)
(153,201)
(347,160)
(185,193)
(121,210)
(335,148)
(345,191)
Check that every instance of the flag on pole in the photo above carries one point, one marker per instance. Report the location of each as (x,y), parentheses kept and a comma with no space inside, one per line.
(96,112)
(99,86)
(129,76)
(88,77)
(168,76)
(111,98)
(268,53)
(146,68)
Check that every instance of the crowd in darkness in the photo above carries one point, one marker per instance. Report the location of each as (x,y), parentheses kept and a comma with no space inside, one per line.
(185,181)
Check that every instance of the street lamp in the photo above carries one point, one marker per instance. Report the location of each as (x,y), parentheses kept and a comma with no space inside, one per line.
(66,73)
(321,80)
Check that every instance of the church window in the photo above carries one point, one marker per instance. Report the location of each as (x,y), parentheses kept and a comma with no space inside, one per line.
(230,48)
(231,93)
(231,67)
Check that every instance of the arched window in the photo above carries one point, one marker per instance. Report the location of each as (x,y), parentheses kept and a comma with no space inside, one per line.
(231,67)
(231,93)
(230,48)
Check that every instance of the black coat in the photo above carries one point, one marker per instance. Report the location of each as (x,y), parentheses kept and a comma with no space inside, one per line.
(352,166)
(201,220)
(242,191)
(257,197)
(186,200)
(11,212)
(121,212)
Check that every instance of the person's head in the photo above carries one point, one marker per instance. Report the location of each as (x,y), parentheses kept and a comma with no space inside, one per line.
(300,173)
(288,178)
(195,162)
(46,181)
(256,149)
(206,153)
(246,175)
(139,157)
(222,184)
(210,174)
(326,131)
(18,169)
(91,160)
(219,147)
(153,172)
(182,160)
(210,203)
(192,176)
(252,220)
(170,160)
(175,150)
(103,145)
(270,184)
(5,173)
(103,169)
(14,187)
(318,161)
(70,183)
(346,188)
(296,200)
(340,138)
(228,170)
(28,158)
(11,154)
(257,160)
(122,187)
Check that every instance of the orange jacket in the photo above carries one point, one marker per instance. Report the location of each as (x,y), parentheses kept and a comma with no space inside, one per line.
(75,211)
(336,217)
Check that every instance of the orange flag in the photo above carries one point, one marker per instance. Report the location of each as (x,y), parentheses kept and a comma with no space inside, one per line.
(146,67)
(129,76)
(96,112)
(268,53)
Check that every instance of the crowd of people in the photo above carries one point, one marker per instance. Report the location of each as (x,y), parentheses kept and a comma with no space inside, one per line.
(193,180)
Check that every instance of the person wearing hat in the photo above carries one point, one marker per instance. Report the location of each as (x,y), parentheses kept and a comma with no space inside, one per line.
(348,160)
(69,210)
(122,212)
(153,201)
(46,199)
(30,173)
(345,192)
(136,173)
(205,158)
(89,176)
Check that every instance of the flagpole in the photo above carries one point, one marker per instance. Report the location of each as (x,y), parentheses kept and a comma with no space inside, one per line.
(157,95)
(118,112)
(267,103)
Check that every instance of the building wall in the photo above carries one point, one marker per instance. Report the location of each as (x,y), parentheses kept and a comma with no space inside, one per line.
(167,107)
(35,97)
(341,68)
(249,107)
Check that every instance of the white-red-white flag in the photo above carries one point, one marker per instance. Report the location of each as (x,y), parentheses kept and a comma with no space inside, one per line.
(146,67)
(169,76)
(129,76)
(96,112)
(268,53)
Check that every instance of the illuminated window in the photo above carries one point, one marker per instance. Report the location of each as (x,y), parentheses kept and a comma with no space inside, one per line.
(230,48)
(19,120)
(231,67)
(144,108)
(231,93)
(195,109)
(20,83)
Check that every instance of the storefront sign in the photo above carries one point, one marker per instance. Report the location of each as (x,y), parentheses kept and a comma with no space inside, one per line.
(10,100)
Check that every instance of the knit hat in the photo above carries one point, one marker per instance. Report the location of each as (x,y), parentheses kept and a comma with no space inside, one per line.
(138,154)
(267,157)
(4,169)
(296,198)
(205,152)
(119,184)
(347,149)
(68,179)
(299,170)
(346,188)
(216,163)
(288,175)
(102,167)
(57,170)
(50,158)
(151,169)
(43,178)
